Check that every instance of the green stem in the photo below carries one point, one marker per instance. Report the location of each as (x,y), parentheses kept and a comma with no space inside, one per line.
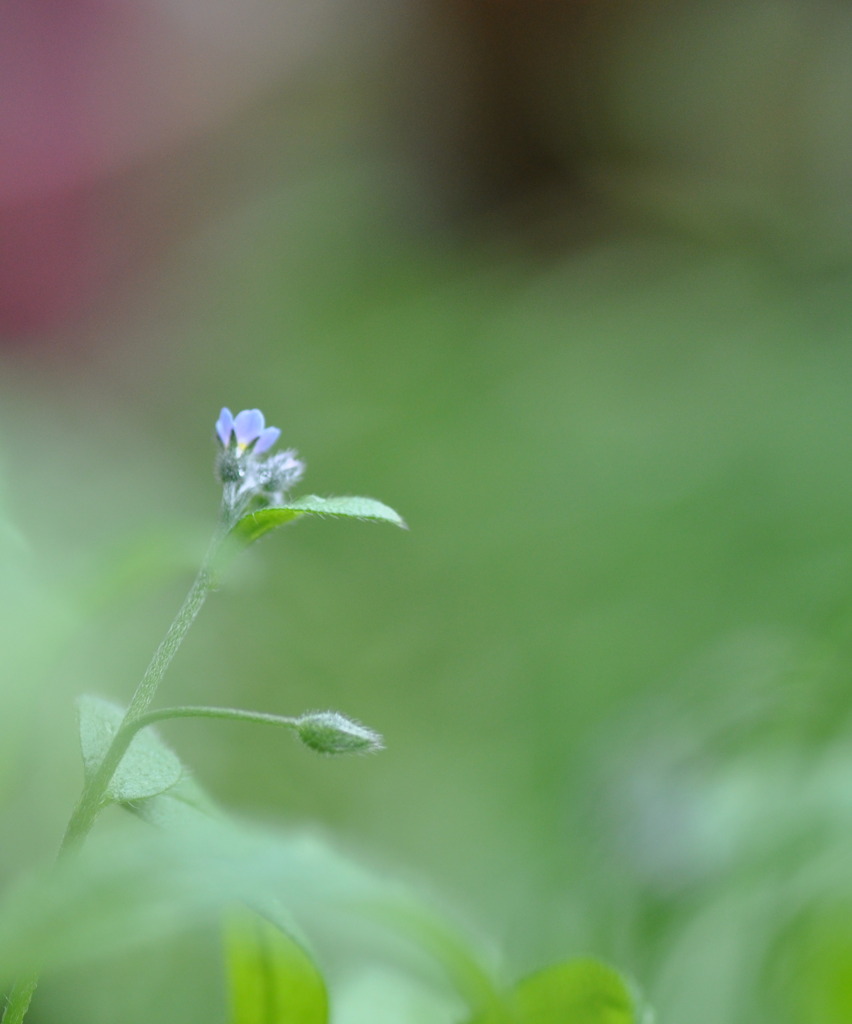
(92,799)
(193,711)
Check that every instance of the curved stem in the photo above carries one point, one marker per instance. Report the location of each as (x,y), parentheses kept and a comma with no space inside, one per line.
(201,711)
(92,799)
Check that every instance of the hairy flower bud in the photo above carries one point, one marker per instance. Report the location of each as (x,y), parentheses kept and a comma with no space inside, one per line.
(329,732)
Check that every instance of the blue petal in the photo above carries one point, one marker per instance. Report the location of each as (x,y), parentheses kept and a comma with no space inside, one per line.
(224,425)
(248,425)
(267,439)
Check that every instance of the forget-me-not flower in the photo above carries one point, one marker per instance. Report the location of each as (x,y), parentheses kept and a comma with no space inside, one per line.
(250,474)
(247,430)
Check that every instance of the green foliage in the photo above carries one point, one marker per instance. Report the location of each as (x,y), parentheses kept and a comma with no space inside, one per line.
(147,768)
(139,887)
(272,979)
(575,992)
(180,806)
(202,862)
(255,524)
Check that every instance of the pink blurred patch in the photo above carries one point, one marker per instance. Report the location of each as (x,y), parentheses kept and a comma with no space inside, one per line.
(71,72)
(89,89)
(47,269)
(71,83)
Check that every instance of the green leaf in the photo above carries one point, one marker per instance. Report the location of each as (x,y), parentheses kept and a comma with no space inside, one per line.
(180,806)
(576,992)
(256,524)
(272,979)
(148,767)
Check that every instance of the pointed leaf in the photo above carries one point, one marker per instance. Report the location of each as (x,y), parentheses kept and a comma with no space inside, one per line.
(256,524)
(272,979)
(148,767)
(180,806)
(575,992)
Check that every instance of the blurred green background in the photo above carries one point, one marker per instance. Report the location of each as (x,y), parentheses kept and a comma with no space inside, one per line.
(568,286)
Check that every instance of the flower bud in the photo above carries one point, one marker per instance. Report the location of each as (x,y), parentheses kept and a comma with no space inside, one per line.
(329,732)
(229,467)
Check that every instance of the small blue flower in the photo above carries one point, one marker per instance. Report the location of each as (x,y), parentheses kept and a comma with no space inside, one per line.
(247,429)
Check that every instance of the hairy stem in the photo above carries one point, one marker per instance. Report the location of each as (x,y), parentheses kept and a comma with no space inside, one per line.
(93,797)
(194,711)
(94,792)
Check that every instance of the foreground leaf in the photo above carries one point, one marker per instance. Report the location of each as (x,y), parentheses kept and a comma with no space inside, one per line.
(180,806)
(256,524)
(272,980)
(128,888)
(576,992)
(148,767)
